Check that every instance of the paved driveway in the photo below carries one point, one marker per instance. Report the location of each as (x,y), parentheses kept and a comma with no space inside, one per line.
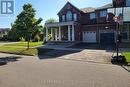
(99,56)
(35,72)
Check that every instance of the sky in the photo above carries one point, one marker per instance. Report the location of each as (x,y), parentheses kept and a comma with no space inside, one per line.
(48,8)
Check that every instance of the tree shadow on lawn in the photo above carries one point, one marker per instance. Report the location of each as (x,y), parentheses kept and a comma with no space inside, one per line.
(51,53)
(5,60)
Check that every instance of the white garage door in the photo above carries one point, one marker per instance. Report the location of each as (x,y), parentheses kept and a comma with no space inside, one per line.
(89,36)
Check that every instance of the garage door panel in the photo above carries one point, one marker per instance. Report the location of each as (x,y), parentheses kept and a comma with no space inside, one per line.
(89,37)
(107,38)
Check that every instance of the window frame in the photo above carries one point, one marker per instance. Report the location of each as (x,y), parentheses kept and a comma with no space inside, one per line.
(127,2)
(69,16)
(92,15)
(63,18)
(103,13)
(75,17)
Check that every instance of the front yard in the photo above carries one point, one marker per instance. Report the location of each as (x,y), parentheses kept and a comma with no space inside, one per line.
(21,48)
(23,51)
(24,44)
(127,56)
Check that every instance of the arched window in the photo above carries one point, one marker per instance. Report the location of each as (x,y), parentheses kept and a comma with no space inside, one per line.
(69,16)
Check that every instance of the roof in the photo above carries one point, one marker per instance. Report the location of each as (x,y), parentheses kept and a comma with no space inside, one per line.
(88,9)
(71,5)
(105,6)
(91,9)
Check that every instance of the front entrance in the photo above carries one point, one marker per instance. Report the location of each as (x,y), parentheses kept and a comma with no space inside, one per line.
(89,36)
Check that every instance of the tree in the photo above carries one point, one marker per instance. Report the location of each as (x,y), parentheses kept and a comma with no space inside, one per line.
(26,23)
(51,20)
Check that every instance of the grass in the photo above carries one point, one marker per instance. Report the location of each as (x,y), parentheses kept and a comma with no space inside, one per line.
(24,44)
(127,56)
(23,51)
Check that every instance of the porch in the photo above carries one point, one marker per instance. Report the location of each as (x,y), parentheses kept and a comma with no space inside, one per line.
(61,31)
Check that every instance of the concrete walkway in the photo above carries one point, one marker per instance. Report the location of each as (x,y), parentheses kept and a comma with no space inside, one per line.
(34,72)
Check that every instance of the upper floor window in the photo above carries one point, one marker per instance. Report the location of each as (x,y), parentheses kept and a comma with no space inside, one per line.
(63,17)
(75,17)
(92,15)
(127,2)
(103,13)
(69,16)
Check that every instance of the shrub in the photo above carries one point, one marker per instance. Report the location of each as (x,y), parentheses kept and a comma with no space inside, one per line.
(36,38)
(22,39)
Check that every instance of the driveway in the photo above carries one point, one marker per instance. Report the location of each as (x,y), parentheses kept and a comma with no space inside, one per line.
(34,72)
(98,56)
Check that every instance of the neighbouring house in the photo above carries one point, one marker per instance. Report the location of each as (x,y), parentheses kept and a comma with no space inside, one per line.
(91,25)
(4,31)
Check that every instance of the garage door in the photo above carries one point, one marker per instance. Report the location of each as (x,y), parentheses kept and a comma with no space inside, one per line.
(89,37)
(107,38)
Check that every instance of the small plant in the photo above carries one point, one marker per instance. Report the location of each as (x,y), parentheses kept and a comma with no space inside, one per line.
(22,39)
(36,38)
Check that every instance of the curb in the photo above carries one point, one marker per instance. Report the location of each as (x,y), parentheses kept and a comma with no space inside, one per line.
(127,68)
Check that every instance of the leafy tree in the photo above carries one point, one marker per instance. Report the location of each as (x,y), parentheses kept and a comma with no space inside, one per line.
(51,20)
(26,23)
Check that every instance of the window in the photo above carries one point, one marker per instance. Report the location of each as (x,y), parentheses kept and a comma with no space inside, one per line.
(103,13)
(92,15)
(128,3)
(63,17)
(126,14)
(69,16)
(75,17)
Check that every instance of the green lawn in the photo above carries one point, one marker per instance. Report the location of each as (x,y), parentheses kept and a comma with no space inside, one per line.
(23,51)
(24,44)
(127,55)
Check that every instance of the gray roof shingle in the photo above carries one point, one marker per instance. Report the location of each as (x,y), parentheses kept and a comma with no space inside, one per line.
(91,9)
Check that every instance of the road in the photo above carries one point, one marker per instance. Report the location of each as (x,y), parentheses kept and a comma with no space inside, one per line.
(57,72)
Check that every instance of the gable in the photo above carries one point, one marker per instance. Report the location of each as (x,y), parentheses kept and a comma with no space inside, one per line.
(70,7)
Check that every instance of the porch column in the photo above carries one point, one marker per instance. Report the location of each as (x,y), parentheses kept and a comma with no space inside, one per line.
(46,33)
(69,33)
(56,34)
(52,34)
(73,36)
(59,33)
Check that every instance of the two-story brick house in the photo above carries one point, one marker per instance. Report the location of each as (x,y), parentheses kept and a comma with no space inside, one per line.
(91,25)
